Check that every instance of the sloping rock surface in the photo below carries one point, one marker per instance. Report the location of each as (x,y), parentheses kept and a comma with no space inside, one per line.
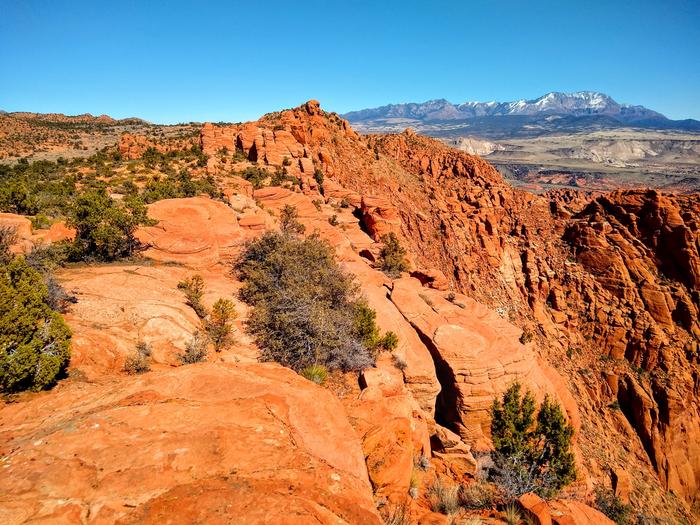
(205,443)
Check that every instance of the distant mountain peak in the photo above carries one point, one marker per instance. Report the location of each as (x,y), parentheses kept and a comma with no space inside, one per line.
(571,104)
(548,113)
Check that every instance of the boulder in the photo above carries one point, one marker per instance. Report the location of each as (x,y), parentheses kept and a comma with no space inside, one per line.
(197,231)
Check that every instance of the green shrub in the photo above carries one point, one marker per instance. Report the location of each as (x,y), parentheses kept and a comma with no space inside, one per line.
(393,256)
(315,373)
(40,187)
(104,228)
(179,186)
(389,342)
(218,324)
(193,288)
(303,303)
(40,222)
(530,457)
(140,361)
(8,237)
(256,176)
(333,220)
(364,324)
(45,259)
(365,327)
(34,339)
(318,177)
(195,350)
(289,222)
(526,337)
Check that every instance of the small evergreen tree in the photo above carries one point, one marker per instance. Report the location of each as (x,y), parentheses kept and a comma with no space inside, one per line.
(289,222)
(193,288)
(364,324)
(218,325)
(511,421)
(34,340)
(393,255)
(104,229)
(530,457)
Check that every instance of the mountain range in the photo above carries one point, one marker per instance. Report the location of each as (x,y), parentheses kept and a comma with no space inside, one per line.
(550,113)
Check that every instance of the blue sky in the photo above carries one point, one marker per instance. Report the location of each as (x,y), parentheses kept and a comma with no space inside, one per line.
(232,61)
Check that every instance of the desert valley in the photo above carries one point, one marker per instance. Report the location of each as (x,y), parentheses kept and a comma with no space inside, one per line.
(289,321)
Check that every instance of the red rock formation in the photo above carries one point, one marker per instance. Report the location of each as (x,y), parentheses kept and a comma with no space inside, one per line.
(604,288)
(28,238)
(203,443)
(582,286)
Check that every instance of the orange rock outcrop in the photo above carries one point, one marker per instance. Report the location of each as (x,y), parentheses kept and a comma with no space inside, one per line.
(206,443)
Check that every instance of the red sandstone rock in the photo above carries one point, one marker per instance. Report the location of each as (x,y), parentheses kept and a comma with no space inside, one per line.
(118,306)
(204,443)
(572,512)
(379,216)
(536,508)
(478,356)
(197,231)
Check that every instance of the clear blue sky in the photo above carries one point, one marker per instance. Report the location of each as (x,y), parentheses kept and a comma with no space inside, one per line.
(176,61)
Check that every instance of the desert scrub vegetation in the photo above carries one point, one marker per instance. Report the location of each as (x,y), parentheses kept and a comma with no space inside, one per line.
(260,177)
(193,289)
(218,323)
(478,495)
(140,361)
(195,350)
(179,186)
(34,339)
(393,256)
(443,498)
(531,454)
(306,310)
(613,507)
(316,373)
(48,189)
(289,220)
(397,513)
(41,186)
(105,228)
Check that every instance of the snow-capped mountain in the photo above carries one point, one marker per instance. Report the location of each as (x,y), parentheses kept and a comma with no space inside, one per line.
(551,112)
(572,104)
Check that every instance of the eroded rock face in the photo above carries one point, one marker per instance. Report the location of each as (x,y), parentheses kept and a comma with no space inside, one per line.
(606,285)
(515,252)
(477,355)
(205,443)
